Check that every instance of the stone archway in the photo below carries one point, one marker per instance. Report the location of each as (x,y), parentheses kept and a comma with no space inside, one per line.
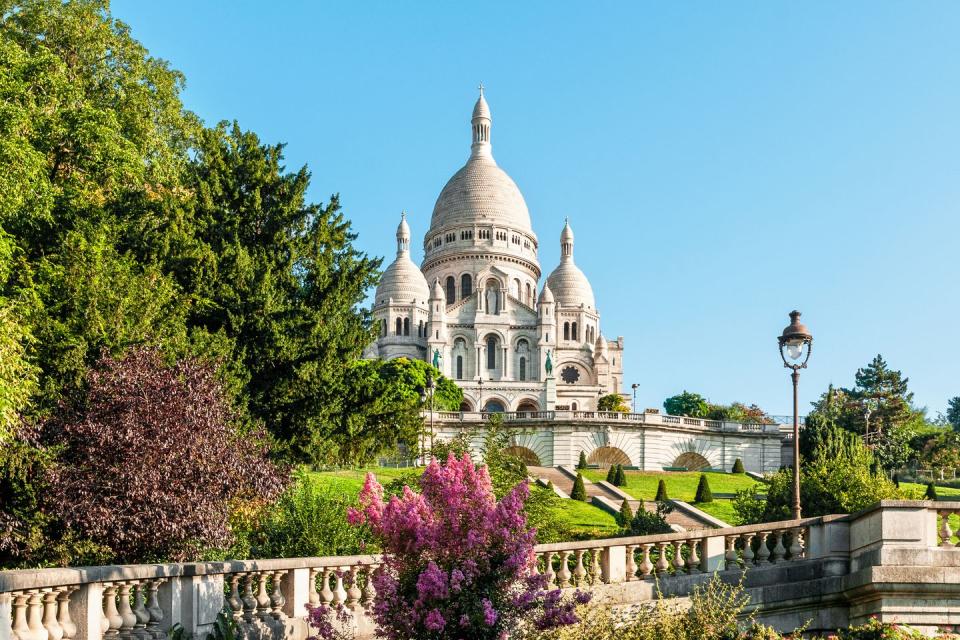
(527,406)
(525,454)
(607,456)
(691,461)
(494,406)
(466,406)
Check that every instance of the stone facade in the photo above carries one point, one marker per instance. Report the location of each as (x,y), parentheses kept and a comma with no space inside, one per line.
(475,308)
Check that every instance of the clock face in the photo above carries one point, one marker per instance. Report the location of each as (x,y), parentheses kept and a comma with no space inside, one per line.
(570,375)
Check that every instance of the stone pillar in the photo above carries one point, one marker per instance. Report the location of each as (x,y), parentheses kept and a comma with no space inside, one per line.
(296,588)
(86,610)
(6,616)
(712,553)
(550,393)
(505,371)
(613,565)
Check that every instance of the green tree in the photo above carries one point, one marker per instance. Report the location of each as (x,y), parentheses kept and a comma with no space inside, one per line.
(953,412)
(579,492)
(686,404)
(612,402)
(612,474)
(931,492)
(738,466)
(703,490)
(620,479)
(661,491)
(625,517)
(582,463)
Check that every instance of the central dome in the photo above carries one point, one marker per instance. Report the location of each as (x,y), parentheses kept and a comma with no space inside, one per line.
(481,192)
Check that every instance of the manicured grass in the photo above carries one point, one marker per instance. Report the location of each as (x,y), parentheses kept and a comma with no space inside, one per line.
(722,509)
(351,480)
(586,519)
(920,489)
(681,485)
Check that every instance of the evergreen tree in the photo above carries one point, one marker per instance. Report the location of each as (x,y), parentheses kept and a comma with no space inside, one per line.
(686,404)
(612,475)
(621,477)
(582,464)
(953,412)
(579,491)
(738,466)
(661,491)
(703,490)
(896,480)
(625,517)
(931,493)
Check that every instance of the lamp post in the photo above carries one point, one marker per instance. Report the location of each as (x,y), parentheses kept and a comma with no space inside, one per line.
(796,343)
(634,387)
(480,393)
(430,393)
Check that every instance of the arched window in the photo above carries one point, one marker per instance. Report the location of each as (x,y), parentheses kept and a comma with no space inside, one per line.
(406,326)
(383,328)
(420,330)
(529,295)
(491,352)
(459,367)
(523,368)
(573,331)
(566,330)
(516,288)
(466,286)
(399,327)
(573,405)
(451,289)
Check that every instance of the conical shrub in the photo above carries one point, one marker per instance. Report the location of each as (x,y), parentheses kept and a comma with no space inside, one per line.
(579,491)
(703,490)
(662,491)
(626,514)
(738,466)
(612,474)
(896,480)
(582,463)
(621,476)
(931,493)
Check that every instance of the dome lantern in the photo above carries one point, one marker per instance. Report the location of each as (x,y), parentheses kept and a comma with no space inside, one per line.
(481,122)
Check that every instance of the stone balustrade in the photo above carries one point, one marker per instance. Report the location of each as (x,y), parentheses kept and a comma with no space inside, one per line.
(477,417)
(897,560)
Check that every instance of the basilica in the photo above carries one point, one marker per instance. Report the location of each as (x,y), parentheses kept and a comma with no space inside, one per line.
(476,310)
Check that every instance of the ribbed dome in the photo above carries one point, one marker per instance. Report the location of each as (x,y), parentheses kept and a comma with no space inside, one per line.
(402,280)
(569,285)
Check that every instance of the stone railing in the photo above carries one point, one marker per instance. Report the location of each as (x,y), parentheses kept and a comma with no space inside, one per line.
(832,570)
(477,417)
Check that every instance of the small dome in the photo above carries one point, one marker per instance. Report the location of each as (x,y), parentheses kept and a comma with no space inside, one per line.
(569,284)
(546,296)
(481,109)
(601,345)
(437,290)
(402,280)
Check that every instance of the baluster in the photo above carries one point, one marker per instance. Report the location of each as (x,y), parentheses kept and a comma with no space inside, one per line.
(277,599)
(763,553)
(248,599)
(779,551)
(748,555)
(646,567)
(946,533)
(156,612)
(663,565)
(551,576)
(369,590)
(693,562)
(49,620)
(579,572)
(353,593)
(631,563)
(263,598)
(114,619)
(796,545)
(564,574)
(678,562)
(126,613)
(233,600)
(63,612)
(596,574)
(326,595)
(140,611)
(730,557)
(314,598)
(339,593)
(21,630)
(35,616)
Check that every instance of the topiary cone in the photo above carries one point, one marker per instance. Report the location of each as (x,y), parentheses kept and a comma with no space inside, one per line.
(931,493)
(579,491)
(662,491)
(626,514)
(738,466)
(612,475)
(703,490)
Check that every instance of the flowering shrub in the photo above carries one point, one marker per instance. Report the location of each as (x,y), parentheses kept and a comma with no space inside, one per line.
(457,562)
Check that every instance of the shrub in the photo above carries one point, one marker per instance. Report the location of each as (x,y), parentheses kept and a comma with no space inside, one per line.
(646,523)
(579,492)
(456,561)
(738,466)
(625,517)
(612,402)
(661,491)
(582,464)
(621,477)
(703,490)
(896,480)
(612,474)
(152,463)
(931,493)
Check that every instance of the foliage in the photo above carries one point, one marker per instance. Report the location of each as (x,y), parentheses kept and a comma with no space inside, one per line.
(953,412)
(612,402)
(931,492)
(612,474)
(456,561)
(579,492)
(152,460)
(738,412)
(625,516)
(738,466)
(582,462)
(645,523)
(224,627)
(941,451)
(661,491)
(620,478)
(873,629)
(703,490)
(686,404)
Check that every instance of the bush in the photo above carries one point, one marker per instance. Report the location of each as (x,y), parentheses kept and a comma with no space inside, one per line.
(647,523)
(612,475)
(621,477)
(625,517)
(612,402)
(661,491)
(579,492)
(738,466)
(896,480)
(703,490)
(931,493)
(582,463)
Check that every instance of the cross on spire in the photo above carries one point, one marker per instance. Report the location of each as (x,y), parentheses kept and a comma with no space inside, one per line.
(481,88)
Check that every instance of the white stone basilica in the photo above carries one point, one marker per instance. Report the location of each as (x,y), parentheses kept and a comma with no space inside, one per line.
(474,307)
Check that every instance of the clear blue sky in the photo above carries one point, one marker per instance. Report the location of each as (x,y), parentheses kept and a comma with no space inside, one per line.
(721,163)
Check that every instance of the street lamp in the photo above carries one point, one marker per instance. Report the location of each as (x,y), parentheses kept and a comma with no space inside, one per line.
(634,387)
(480,393)
(795,346)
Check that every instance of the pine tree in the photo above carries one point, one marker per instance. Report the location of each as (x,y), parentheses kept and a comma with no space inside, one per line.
(582,464)
(612,474)
(579,491)
(626,514)
(738,466)
(953,412)
(703,490)
(931,493)
(661,491)
(621,479)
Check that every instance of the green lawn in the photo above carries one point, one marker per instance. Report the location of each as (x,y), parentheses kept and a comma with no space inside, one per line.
(920,489)
(351,480)
(585,518)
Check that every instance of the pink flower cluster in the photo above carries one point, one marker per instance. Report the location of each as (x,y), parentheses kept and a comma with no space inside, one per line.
(456,562)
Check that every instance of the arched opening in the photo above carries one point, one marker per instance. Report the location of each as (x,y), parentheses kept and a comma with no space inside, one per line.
(525,454)
(691,461)
(494,406)
(459,367)
(529,296)
(523,369)
(491,296)
(383,328)
(573,331)
(491,352)
(399,327)
(607,456)
(466,286)
(466,406)
(451,290)
(406,326)
(566,330)
(421,330)
(527,406)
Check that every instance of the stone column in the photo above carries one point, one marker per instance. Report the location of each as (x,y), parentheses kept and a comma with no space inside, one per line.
(505,370)
(613,565)
(86,610)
